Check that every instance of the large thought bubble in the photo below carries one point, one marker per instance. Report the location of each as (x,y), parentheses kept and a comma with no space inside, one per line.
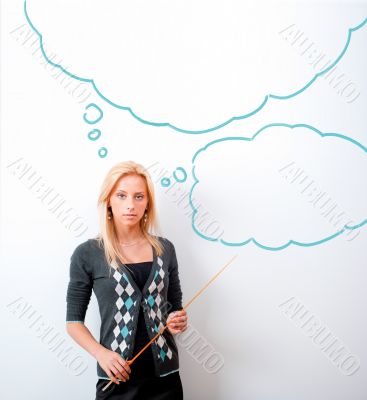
(189,64)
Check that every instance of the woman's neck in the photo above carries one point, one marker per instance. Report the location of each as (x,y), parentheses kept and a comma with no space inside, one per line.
(129,234)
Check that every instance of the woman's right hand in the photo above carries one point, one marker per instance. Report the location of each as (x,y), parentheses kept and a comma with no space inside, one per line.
(113,364)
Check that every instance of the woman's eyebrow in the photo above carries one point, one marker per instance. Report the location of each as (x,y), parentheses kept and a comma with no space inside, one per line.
(123,191)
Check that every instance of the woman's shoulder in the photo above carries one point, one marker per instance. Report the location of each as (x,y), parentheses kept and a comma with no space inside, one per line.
(87,247)
(167,244)
(163,240)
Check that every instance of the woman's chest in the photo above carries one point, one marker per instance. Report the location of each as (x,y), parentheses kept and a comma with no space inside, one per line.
(140,272)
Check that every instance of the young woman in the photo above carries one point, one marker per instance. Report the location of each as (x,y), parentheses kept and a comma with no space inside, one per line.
(134,275)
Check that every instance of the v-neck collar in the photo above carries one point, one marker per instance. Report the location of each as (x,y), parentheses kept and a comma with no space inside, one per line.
(150,277)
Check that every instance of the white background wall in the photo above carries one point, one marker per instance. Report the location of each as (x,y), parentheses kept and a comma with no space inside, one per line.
(193,65)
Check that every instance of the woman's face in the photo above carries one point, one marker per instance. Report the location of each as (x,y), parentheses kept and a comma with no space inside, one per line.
(129,197)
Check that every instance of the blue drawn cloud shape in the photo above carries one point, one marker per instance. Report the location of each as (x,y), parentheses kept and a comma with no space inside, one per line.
(246,114)
(196,168)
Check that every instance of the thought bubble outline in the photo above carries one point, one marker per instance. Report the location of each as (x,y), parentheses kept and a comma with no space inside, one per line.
(169,125)
(291,241)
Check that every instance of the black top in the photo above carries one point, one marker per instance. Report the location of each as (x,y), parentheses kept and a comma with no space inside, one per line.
(144,364)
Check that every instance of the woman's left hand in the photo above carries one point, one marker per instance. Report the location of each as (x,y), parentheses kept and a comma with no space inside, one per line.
(177,321)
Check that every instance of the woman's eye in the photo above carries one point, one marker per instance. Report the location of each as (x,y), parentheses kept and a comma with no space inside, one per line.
(139,196)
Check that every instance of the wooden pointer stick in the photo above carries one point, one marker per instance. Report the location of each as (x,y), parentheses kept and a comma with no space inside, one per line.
(184,308)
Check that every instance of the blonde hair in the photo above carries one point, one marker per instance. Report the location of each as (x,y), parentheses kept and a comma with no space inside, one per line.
(107,235)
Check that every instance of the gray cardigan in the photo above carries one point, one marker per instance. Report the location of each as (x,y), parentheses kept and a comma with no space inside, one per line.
(119,300)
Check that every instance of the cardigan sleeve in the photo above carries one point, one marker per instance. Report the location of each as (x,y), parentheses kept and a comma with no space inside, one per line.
(79,288)
(174,294)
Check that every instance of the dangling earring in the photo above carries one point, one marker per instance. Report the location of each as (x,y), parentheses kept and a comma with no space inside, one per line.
(145,216)
(109,213)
